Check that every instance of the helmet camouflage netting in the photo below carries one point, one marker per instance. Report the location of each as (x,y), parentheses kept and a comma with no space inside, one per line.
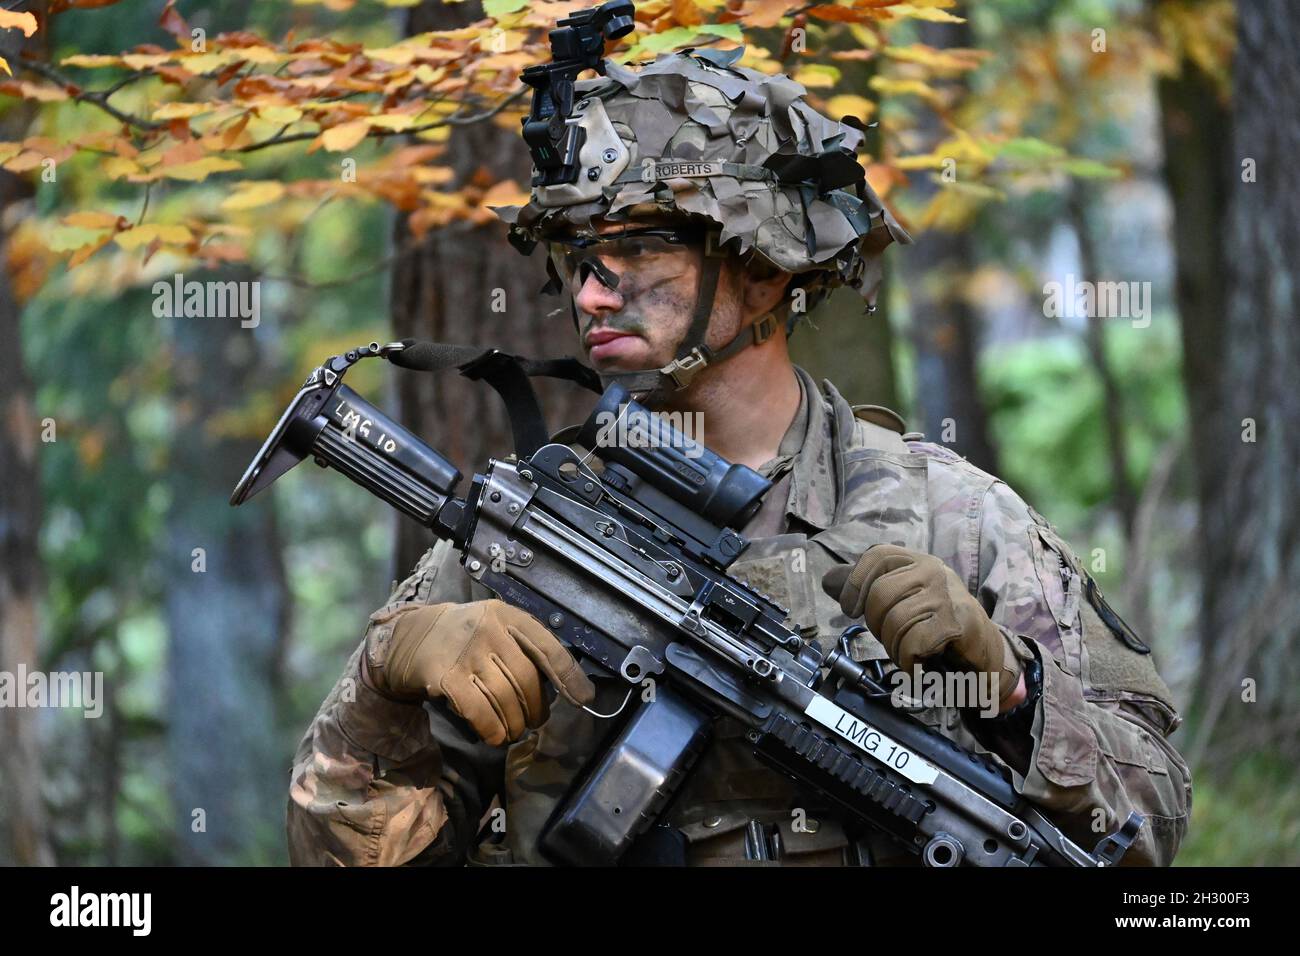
(692,133)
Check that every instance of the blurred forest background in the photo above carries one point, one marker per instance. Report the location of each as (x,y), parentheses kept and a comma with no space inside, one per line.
(342,153)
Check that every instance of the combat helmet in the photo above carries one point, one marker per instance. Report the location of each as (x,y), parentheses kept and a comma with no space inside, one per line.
(695,136)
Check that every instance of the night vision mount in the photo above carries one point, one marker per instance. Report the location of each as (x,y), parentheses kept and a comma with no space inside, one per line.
(577,44)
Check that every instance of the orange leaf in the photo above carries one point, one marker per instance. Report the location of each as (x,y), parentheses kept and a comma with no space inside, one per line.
(18,21)
(181,153)
(764,13)
(336,139)
(30,91)
(172,21)
(88,250)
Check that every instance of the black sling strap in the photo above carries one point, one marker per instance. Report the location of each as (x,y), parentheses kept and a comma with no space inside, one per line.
(508,374)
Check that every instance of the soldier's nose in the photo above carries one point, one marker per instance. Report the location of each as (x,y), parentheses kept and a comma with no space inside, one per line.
(597,299)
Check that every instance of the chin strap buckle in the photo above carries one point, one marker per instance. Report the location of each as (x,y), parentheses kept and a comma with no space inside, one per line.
(764,328)
(683,370)
(712,248)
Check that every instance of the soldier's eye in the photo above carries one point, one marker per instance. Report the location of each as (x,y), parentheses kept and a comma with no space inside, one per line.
(632,247)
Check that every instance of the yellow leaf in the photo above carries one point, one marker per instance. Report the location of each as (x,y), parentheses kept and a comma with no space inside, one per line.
(393,121)
(436,135)
(953,59)
(4,64)
(887,87)
(811,78)
(850,104)
(180,110)
(283,115)
(261,54)
(229,229)
(18,21)
(336,139)
(207,62)
(25,162)
(90,60)
(924,13)
(254,194)
(397,55)
(429,75)
(42,94)
(142,61)
(198,170)
(91,220)
(143,235)
(922,161)
(819,70)
(116,167)
(69,238)
(433,175)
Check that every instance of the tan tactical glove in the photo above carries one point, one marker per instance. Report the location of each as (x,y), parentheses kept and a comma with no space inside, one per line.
(485,657)
(918,609)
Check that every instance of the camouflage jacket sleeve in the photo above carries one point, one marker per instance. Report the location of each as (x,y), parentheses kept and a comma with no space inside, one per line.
(1098,745)
(378,783)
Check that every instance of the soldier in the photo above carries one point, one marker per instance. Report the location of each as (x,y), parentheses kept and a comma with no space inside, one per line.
(715,210)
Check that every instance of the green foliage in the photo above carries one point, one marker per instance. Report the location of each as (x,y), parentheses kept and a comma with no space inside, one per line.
(1245,815)
(1047,413)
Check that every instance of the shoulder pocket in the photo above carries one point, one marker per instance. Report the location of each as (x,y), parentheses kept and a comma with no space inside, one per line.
(1112,620)
(1118,669)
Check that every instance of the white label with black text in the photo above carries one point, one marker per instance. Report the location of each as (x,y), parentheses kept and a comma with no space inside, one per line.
(866,738)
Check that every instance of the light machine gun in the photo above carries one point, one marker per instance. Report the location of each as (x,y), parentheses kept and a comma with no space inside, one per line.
(627,565)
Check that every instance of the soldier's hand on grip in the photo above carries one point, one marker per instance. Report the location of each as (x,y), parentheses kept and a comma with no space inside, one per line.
(486,658)
(918,608)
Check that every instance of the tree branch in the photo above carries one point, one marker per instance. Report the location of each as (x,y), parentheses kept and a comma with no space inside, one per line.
(453,120)
(99,98)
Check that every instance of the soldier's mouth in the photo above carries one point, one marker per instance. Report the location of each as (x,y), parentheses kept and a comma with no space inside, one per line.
(604,345)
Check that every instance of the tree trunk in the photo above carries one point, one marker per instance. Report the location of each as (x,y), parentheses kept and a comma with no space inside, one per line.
(1122,491)
(1199,171)
(24,838)
(446,292)
(227,621)
(853,350)
(944,327)
(1248,441)
(23,835)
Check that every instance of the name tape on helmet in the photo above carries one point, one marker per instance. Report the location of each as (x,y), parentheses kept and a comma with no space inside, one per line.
(652,170)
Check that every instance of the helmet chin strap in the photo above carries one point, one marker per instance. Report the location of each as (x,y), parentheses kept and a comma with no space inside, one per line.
(693,356)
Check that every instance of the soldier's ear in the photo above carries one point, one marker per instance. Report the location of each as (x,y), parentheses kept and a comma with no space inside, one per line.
(762,284)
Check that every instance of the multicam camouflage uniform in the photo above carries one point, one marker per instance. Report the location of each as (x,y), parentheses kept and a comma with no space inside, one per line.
(375,782)
(378,782)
